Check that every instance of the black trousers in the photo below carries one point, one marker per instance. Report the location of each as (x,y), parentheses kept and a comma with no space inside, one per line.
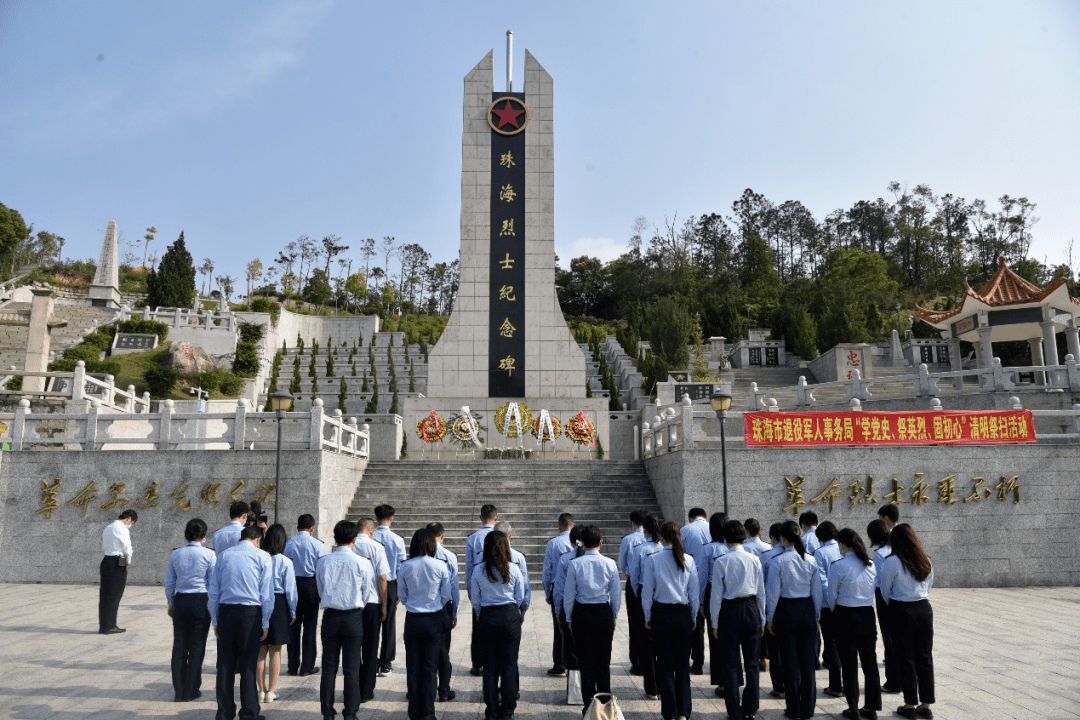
(113,582)
(633,610)
(648,650)
(571,661)
(673,631)
(369,649)
(740,632)
(342,634)
(239,629)
(500,627)
(594,630)
(776,663)
(892,674)
(856,642)
(445,668)
(795,626)
(476,644)
(388,649)
(423,642)
(697,649)
(912,626)
(302,632)
(558,658)
(191,626)
(717,650)
(829,656)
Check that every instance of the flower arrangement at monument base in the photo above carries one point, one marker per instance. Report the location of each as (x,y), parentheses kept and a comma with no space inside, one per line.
(465,430)
(431,429)
(542,432)
(581,430)
(513,419)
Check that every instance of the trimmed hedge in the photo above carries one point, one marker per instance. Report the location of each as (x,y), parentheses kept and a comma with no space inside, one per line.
(146,327)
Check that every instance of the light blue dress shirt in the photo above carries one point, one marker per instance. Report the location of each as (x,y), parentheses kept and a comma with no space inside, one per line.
(285,580)
(879,557)
(736,574)
(756,546)
(243,575)
(343,578)
(898,584)
(851,583)
(792,575)
(374,552)
(474,552)
(628,543)
(394,546)
(810,541)
(825,556)
(665,583)
(451,565)
(554,550)
(637,562)
(591,579)
(189,570)
(228,536)
(519,560)
(424,584)
(707,556)
(485,593)
(304,551)
(696,536)
(559,583)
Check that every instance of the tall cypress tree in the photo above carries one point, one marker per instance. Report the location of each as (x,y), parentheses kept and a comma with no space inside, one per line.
(173,283)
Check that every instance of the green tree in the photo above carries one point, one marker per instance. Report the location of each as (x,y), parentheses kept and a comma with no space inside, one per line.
(13,230)
(172,284)
(343,393)
(699,368)
(668,327)
(317,291)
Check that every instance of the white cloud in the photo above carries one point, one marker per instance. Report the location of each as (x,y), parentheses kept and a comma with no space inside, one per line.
(606,249)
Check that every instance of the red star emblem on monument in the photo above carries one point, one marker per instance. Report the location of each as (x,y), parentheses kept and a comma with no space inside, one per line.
(505,115)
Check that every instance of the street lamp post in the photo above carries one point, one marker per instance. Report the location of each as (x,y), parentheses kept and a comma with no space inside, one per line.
(281,401)
(721,403)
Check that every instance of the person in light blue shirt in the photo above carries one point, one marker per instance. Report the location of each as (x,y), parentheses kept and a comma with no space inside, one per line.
(792,607)
(754,544)
(304,550)
(591,599)
(638,557)
(497,593)
(394,545)
(851,598)
(518,559)
(474,553)
(569,645)
(633,604)
(187,580)
(343,578)
(446,670)
(770,652)
(704,561)
(424,589)
(240,598)
(284,611)
(808,524)
(556,547)
(827,553)
(229,535)
(375,608)
(695,536)
(669,600)
(737,612)
(906,579)
(878,534)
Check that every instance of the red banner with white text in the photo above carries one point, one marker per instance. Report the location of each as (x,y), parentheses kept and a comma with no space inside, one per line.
(948,427)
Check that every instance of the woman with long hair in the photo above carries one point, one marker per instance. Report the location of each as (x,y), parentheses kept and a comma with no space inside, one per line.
(878,535)
(186,582)
(793,592)
(826,554)
(284,613)
(424,590)
(497,592)
(851,599)
(906,579)
(639,557)
(670,601)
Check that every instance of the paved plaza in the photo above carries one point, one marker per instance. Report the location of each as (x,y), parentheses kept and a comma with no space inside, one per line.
(999,653)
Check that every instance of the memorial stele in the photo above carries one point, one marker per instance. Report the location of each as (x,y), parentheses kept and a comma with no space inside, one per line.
(105,290)
(506,339)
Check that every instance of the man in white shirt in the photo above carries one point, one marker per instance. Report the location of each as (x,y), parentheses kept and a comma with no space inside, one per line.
(116,549)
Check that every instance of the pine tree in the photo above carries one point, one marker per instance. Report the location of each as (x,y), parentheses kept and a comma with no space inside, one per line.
(311,367)
(172,283)
(294,386)
(330,341)
(330,366)
(353,369)
(394,405)
(314,386)
(359,341)
(373,403)
(284,346)
(342,394)
(423,346)
(412,377)
(366,388)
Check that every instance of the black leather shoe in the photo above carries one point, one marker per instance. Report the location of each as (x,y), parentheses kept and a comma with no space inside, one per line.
(908,712)
(113,631)
(556,672)
(834,692)
(450,695)
(777,694)
(850,714)
(312,671)
(636,671)
(294,673)
(476,671)
(697,671)
(719,691)
(892,690)
(196,696)
(868,713)
(925,712)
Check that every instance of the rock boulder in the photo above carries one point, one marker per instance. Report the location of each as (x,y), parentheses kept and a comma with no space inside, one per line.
(187,358)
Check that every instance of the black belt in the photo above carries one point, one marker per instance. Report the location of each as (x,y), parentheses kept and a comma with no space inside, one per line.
(341,612)
(743,599)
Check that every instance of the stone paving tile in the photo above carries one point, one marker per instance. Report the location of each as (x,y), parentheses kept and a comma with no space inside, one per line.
(1008,653)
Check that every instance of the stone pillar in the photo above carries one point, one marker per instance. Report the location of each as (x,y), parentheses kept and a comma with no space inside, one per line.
(1037,359)
(105,290)
(956,361)
(37,341)
(1049,332)
(985,347)
(1072,335)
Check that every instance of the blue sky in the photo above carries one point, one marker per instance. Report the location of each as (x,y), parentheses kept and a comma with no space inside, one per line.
(247,124)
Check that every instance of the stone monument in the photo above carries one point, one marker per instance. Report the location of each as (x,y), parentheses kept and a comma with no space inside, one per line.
(105,290)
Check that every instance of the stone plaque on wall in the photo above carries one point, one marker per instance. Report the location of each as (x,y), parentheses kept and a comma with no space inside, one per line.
(134,342)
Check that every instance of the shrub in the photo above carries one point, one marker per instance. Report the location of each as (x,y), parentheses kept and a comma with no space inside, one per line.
(148,327)
(266,305)
(15,383)
(161,380)
(86,353)
(105,367)
(98,340)
(250,332)
(231,385)
(246,362)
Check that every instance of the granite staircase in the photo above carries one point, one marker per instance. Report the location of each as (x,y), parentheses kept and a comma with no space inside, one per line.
(529,494)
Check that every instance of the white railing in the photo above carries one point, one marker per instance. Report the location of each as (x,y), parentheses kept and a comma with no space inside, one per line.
(80,386)
(184,317)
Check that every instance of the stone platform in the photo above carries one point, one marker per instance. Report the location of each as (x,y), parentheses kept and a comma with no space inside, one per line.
(998,654)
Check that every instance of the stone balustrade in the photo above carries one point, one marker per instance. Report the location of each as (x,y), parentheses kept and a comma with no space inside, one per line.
(80,386)
(184,318)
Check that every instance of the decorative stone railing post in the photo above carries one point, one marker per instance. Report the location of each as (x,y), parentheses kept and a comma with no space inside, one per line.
(352,435)
(365,439)
(646,440)
(754,401)
(935,405)
(240,426)
(687,410)
(858,388)
(178,318)
(316,438)
(110,391)
(924,385)
(1014,403)
(803,394)
(129,403)
(771,405)
(146,400)
(1001,381)
(78,381)
(165,425)
(146,313)
(336,415)
(856,405)
(1072,373)
(92,415)
(1076,418)
(18,425)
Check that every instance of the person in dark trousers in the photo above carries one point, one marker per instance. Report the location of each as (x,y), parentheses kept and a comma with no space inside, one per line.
(591,601)
(424,589)
(342,576)
(554,550)
(474,553)
(706,556)
(824,556)
(116,559)
(375,608)
(906,579)
(851,599)
(284,616)
(633,604)
(695,536)
(669,599)
(638,558)
(186,582)
(792,608)
(497,593)
(229,536)
(394,545)
(770,648)
(241,601)
(878,534)
(569,643)
(737,611)
(450,610)
(304,551)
